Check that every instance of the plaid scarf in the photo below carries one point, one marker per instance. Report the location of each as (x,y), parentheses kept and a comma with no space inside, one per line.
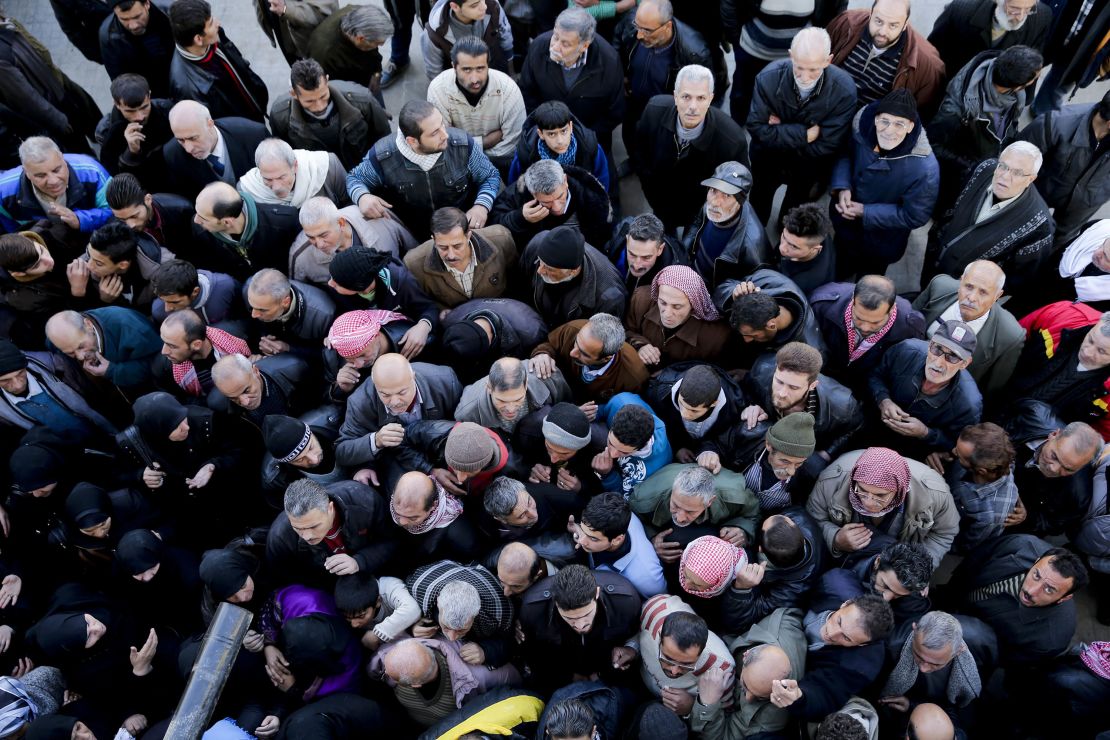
(353,331)
(882,468)
(714,561)
(447,509)
(566,158)
(857,347)
(185,374)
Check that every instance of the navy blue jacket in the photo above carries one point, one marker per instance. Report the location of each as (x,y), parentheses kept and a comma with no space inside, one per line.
(831,105)
(899,377)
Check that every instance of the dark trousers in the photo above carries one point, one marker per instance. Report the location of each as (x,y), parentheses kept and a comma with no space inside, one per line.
(805,179)
(743,82)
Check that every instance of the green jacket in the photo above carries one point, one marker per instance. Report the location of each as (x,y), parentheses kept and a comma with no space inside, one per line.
(735,505)
(782,627)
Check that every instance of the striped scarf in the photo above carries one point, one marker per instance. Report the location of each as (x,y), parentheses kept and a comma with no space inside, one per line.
(771,499)
(856,347)
(1010,586)
(447,509)
(185,374)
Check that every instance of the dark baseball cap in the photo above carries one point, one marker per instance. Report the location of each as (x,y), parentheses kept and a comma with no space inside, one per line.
(956,336)
(730,178)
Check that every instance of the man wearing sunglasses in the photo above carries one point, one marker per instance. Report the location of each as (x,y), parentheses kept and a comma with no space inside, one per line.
(676,649)
(924,393)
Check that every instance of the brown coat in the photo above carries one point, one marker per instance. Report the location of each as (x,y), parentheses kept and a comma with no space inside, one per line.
(920,70)
(493,248)
(626,374)
(694,340)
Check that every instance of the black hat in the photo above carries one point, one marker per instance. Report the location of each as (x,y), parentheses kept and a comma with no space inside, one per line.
(139,550)
(225,572)
(285,437)
(465,340)
(315,643)
(899,103)
(563,248)
(730,178)
(11,358)
(356,268)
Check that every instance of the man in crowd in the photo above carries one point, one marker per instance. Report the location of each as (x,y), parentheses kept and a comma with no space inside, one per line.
(806,254)
(923,392)
(209,68)
(571,280)
(801,117)
(319,114)
(133,134)
(291,316)
(883,52)
(424,150)
(67,189)
(165,217)
(138,39)
(483,102)
(679,140)
(191,349)
(450,22)
(551,131)
(969,27)
(203,151)
(594,358)
(241,236)
(642,248)
(700,404)
(509,394)
(726,238)
(973,299)
(290,177)
(550,195)
(460,263)
(113,343)
(570,63)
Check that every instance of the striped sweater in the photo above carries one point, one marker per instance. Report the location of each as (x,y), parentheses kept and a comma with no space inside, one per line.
(655,611)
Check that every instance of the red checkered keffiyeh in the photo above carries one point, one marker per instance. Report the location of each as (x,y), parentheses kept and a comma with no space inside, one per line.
(856,351)
(714,561)
(690,283)
(185,375)
(446,510)
(1096,656)
(353,331)
(883,468)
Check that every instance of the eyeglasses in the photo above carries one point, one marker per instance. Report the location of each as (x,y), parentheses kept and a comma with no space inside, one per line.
(684,667)
(646,31)
(1003,167)
(937,351)
(879,498)
(884,123)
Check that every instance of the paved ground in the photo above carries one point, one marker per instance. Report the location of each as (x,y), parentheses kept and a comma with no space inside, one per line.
(237,17)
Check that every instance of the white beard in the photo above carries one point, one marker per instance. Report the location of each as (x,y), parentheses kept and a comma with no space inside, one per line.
(1003,21)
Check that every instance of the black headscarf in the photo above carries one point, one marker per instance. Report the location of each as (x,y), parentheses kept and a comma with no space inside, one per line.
(35,466)
(139,550)
(88,505)
(225,571)
(315,643)
(62,634)
(157,415)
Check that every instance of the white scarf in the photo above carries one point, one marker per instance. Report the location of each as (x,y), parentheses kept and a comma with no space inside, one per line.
(1078,256)
(312,172)
(423,161)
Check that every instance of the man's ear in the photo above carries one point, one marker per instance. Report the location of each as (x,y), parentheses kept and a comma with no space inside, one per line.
(618,541)
(124,265)
(1066,598)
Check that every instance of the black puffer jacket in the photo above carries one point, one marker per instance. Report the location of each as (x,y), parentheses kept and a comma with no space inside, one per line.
(365,530)
(781,587)
(788,294)
(361,122)
(658,396)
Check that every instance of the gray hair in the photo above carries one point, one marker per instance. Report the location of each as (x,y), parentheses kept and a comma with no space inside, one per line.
(35,149)
(1104,324)
(694,73)
(305,495)
(695,481)
(544,176)
(271,283)
(1084,437)
(500,497)
(269,150)
(506,374)
(227,366)
(812,39)
(458,603)
(317,210)
(1001,282)
(368,21)
(1029,150)
(577,20)
(939,630)
(609,329)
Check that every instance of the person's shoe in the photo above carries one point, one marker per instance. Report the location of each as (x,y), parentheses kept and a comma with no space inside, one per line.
(392,72)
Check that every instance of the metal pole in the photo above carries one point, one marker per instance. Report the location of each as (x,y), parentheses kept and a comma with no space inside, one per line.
(210,671)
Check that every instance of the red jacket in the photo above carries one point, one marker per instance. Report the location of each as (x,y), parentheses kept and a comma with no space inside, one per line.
(1048,322)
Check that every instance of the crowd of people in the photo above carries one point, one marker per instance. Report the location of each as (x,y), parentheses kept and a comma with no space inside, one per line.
(482,455)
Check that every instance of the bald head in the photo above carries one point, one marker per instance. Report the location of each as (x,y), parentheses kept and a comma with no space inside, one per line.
(413,498)
(516,567)
(193,128)
(762,665)
(67,331)
(411,663)
(930,722)
(888,20)
(231,372)
(394,382)
(219,209)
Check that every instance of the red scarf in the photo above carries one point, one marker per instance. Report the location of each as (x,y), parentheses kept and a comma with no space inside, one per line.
(855,352)
(185,375)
